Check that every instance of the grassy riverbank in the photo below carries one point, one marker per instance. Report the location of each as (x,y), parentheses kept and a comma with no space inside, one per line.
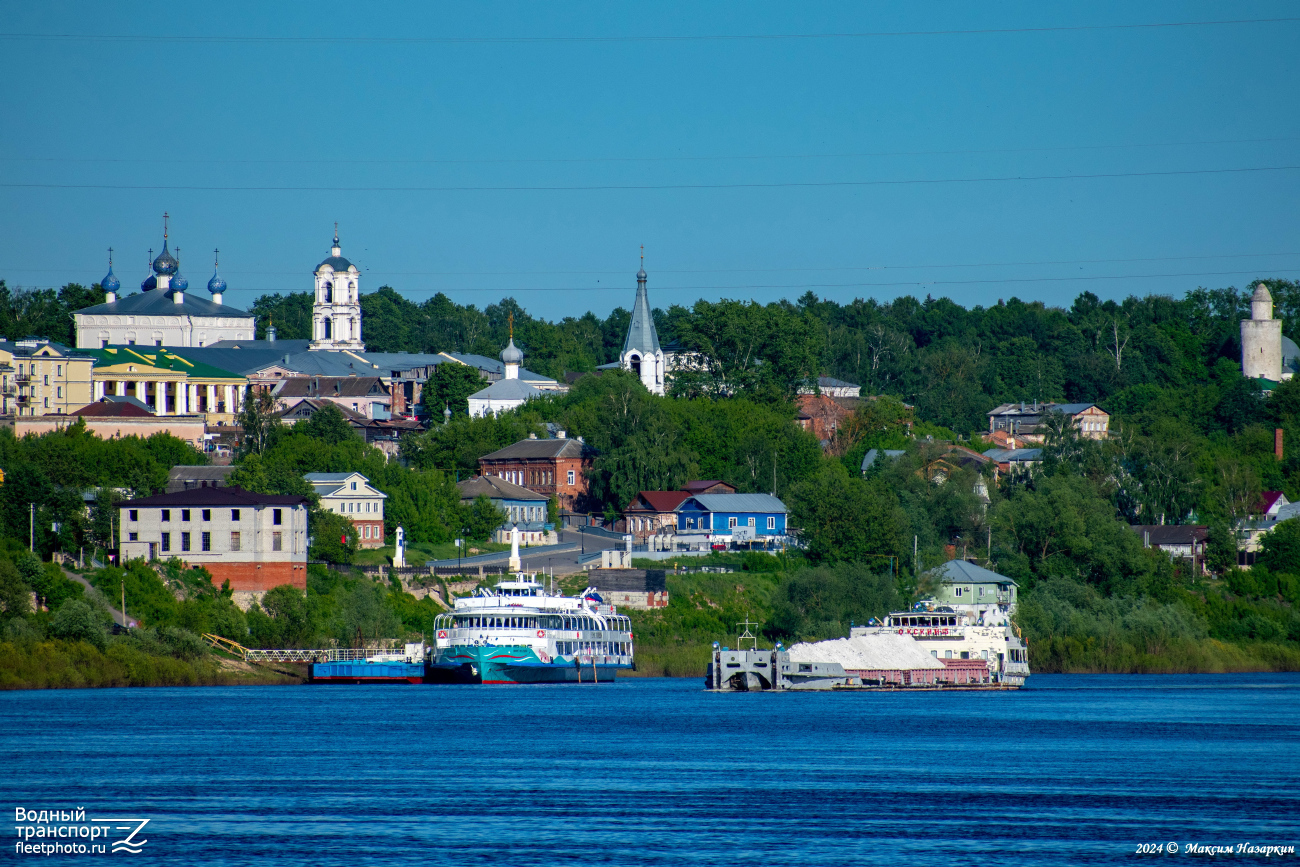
(61,664)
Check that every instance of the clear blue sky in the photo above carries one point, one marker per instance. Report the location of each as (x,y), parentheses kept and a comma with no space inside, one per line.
(144,112)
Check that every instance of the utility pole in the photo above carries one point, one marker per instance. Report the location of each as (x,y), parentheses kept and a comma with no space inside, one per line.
(124,620)
(916,559)
(31,530)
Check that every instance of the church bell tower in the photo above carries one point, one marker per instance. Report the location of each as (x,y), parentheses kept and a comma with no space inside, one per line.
(336,310)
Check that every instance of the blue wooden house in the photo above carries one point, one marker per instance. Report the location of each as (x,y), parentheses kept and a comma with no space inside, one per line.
(763,515)
(522,508)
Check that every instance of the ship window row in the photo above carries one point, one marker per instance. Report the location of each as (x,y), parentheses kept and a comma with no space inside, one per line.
(599,648)
(934,620)
(497,622)
(546,621)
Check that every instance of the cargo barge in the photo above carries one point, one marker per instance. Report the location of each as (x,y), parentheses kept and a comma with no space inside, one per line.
(931,646)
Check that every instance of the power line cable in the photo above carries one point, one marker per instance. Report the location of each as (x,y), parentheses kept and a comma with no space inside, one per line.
(715,37)
(753,286)
(658,271)
(583,160)
(334,188)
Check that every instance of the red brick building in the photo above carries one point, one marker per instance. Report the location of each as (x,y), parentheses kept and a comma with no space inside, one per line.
(544,466)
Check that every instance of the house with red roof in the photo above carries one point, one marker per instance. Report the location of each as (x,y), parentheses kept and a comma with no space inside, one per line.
(1268,505)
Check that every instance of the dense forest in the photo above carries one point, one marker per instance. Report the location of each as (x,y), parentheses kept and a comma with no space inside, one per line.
(1192,441)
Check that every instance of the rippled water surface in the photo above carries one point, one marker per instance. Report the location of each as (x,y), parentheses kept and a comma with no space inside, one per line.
(1073,769)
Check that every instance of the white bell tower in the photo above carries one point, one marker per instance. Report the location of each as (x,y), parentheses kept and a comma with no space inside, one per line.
(336,311)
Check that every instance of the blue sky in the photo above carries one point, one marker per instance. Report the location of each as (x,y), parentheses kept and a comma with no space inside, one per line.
(748,167)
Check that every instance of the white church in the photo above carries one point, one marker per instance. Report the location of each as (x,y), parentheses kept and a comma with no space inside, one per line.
(164,313)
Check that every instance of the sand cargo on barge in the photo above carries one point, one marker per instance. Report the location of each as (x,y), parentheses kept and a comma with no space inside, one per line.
(932,646)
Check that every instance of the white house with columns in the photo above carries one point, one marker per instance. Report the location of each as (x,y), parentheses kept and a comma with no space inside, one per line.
(166,382)
(336,311)
(163,314)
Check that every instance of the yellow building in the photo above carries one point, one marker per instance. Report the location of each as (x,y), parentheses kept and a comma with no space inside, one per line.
(168,383)
(38,377)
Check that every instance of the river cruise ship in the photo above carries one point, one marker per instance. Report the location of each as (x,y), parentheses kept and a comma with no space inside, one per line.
(954,632)
(519,632)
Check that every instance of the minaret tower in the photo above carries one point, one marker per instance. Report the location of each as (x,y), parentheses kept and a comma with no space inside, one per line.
(1261,339)
(336,312)
(641,351)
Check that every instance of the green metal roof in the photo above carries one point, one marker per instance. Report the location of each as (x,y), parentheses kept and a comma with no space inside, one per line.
(160,358)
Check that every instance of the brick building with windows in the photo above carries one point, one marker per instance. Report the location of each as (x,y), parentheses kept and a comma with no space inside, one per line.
(351,494)
(548,467)
(254,541)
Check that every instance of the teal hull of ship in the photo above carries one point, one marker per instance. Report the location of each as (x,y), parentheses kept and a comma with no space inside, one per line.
(506,664)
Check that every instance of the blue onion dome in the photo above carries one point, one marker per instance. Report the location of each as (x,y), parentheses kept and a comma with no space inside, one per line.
(165,263)
(179,282)
(216,284)
(150,282)
(110,283)
(511,354)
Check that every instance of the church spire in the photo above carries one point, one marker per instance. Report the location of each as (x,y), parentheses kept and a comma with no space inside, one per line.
(641,334)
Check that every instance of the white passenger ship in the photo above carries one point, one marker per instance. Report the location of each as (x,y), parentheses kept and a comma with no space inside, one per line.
(518,632)
(954,631)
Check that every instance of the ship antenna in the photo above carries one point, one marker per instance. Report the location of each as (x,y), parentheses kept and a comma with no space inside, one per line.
(747,635)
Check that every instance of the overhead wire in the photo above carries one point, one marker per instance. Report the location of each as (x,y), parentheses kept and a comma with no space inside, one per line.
(354,39)
(336,188)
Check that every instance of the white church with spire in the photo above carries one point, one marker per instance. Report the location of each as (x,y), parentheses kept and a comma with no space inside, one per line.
(642,354)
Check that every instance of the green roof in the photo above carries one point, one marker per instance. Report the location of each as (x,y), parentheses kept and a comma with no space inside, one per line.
(158,357)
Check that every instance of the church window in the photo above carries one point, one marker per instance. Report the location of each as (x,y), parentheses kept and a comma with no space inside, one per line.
(326,329)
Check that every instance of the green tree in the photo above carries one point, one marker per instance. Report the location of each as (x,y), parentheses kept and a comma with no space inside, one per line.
(1280,548)
(482,518)
(846,519)
(259,420)
(449,388)
(328,425)
(14,591)
(77,620)
(334,537)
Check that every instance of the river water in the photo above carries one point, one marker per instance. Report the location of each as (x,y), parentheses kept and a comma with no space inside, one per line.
(1070,770)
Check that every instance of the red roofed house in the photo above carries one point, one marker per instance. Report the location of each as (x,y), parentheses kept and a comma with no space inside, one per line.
(652,512)
(1268,504)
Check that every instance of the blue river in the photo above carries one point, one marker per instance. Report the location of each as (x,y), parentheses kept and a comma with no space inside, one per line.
(1070,770)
